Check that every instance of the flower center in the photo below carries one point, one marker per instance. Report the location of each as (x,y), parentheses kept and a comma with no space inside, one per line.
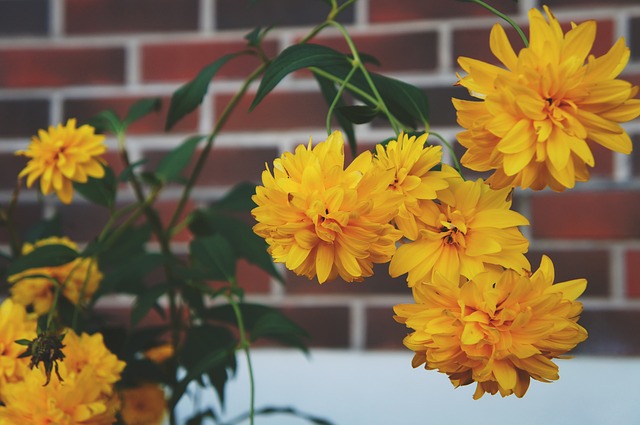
(327,223)
(453,228)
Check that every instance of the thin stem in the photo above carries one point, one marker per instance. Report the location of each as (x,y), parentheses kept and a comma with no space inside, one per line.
(244,345)
(451,151)
(506,18)
(339,96)
(76,310)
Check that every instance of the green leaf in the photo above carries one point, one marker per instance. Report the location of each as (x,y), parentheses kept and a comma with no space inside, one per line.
(294,58)
(127,174)
(127,246)
(145,301)
(405,101)
(128,277)
(140,109)
(240,236)
(359,114)
(172,164)
(238,198)
(45,228)
(107,120)
(99,191)
(23,341)
(199,417)
(190,95)
(215,255)
(44,256)
(329,92)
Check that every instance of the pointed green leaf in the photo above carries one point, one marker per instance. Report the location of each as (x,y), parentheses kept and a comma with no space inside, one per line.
(405,101)
(294,58)
(359,114)
(213,253)
(45,228)
(107,120)
(127,174)
(174,162)
(44,256)
(329,92)
(238,198)
(99,191)
(145,301)
(140,109)
(190,95)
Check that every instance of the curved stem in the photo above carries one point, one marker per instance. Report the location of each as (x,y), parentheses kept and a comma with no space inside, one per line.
(338,96)
(506,18)
(244,345)
(451,151)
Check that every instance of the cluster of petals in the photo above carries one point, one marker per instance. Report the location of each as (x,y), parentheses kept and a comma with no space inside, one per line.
(15,324)
(323,220)
(470,228)
(540,114)
(499,329)
(63,155)
(143,405)
(86,396)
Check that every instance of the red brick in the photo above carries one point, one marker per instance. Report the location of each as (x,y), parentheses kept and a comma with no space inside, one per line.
(231,14)
(58,66)
(86,108)
(23,117)
(252,279)
(114,161)
(559,4)
(634,37)
(632,259)
(611,332)
(590,215)
(383,332)
(24,17)
(183,61)
(410,51)
(635,158)
(166,209)
(379,283)
(278,111)
(327,326)
(474,43)
(82,222)
(592,265)
(225,166)
(10,167)
(413,10)
(27,214)
(116,16)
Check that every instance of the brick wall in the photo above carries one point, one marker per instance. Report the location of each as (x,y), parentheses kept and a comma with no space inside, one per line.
(73,58)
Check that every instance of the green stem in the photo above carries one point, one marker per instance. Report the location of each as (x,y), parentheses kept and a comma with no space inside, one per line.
(451,151)
(76,310)
(339,96)
(244,345)
(506,18)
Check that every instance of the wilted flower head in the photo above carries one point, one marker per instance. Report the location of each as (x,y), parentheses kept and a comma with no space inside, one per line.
(469,228)
(321,219)
(80,279)
(538,116)
(499,329)
(415,177)
(63,155)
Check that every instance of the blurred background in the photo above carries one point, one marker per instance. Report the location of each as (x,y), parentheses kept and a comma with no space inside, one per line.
(61,59)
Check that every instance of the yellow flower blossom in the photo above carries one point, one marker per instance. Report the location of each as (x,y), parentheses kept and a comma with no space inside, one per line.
(80,278)
(160,353)
(63,155)
(322,220)
(538,117)
(15,324)
(498,329)
(143,405)
(469,228)
(415,177)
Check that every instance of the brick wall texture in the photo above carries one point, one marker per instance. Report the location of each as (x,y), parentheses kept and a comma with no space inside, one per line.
(74,58)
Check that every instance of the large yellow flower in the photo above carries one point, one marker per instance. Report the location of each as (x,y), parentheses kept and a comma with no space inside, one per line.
(80,279)
(63,155)
(321,219)
(415,177)
(469,228)
(15,324)
(143,405)
(82,399)
(498,329)
(539,115)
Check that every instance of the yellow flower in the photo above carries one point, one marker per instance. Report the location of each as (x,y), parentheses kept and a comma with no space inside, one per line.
(160,353)
(15,324)
(415,178)
(80,279)
(63,155)
(143,405)
(321,219)
(540,114)
(498,329)
(82,399)
(469,228)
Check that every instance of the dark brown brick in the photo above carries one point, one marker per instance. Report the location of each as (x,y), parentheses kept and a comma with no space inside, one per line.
(118,16)
(611,333)
(231,14)
(411,10)
(24,17)
(57,67)
(591,215)
(632,260)
(27,214)
(441,110)
(183,61)
(560,4)
(634,37)
(10,167)
(86,108)
(327,326)
(591,265)
(383,332)
(23,118)
(82,222)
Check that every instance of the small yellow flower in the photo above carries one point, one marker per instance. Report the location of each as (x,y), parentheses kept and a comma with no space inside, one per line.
(15,324)
(321,219)
(538,117)
(415,178)
(143,405)
(470,228)
(499,329)
(80,279)
(63,155)
(160,354)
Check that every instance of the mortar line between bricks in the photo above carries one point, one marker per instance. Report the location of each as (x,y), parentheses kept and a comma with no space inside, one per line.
(525,6)
(582,244)
(132,63)
(206,16)
(445,57)
(55,109)
(618,273)
(361,14)
(56,18)
(357,325)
